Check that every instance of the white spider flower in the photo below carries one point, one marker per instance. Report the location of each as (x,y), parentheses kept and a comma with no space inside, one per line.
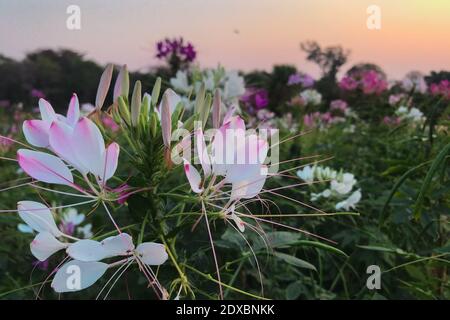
(350,202)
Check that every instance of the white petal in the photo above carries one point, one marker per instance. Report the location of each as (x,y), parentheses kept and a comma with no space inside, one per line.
(87,250)
(249,188)
(152,253)
(44,245)
(119,245)
(77,275)
(111,160)
(46,109)
(38,217)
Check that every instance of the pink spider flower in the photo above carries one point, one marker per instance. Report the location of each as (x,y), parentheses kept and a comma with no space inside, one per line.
(236,165)
(76,142)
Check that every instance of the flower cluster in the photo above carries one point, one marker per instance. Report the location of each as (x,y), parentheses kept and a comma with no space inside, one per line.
(338,113)
(369,82)
(255,99)
(175,47)
(339,185)
(230,83)
(86,254)
(414,82)
(441,88)
(310,97)
(410,114)
(74,154)
(303,79)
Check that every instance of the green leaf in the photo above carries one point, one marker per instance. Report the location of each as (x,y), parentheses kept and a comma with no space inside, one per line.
(276,239)
(321,245)
(294,261)
(427,182)
(293,290)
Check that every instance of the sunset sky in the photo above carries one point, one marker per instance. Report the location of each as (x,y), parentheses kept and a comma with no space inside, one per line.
(250,34)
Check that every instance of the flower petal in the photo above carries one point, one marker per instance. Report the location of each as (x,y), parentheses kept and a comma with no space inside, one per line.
(193,177)
(152,253)
(44,245)
(60,137)
(87,250)
(166,120)
(103,86)
(119,245)
(46,109)
(249,188)
(111,159)
(36,132)
(78,275)
(88,146)
(122,85)
(73,113)
(44,167)
(38,217)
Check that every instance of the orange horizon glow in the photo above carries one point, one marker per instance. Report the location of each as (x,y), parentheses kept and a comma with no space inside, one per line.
(245,35)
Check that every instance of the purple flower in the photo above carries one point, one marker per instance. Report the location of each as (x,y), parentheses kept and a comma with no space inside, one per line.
(339,105)
(67,228)
(4,103)
(36,93)
(42,265)
(303,79)
(255,99)
(169,48)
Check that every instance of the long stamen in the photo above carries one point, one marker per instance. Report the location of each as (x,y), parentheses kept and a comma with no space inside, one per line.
(213,250)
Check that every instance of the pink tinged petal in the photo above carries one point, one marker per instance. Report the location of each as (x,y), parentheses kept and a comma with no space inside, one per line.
(78,275)
(38,217)
(238,221)
(166,120)
(151,253)
(193,177)
(203,152)
(60,138)
(103,86)
(88,146)
(236,122)
(73,113)
(87,250)
(44,245)
(44,167)
(122,85)
(249,188)
(173,98)
(249,156)
(46,109)
(111,159)
(120,245)
(36,132)
(229,114)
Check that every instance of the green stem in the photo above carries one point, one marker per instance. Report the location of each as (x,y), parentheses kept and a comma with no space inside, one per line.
(209,277)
